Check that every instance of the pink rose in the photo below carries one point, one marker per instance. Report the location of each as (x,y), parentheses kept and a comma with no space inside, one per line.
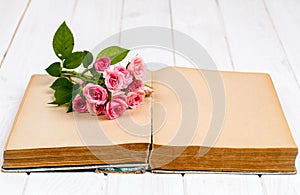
(148,91)
(120,97)
(137,68)
(128,77)
(102,64)
(134,99)
(79,105)
(95,94)
(114,80)
(136,85)
(96,109)
(116,107)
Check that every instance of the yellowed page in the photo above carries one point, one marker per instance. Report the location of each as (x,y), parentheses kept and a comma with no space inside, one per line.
(41,125)
(219,109)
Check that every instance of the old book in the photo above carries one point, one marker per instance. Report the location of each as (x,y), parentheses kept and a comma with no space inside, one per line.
(197,120)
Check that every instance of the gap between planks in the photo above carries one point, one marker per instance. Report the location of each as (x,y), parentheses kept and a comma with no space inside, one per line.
(15,32)
(281,44)
(221,18)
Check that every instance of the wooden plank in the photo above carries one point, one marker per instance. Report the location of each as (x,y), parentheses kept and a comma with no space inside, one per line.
(225,184)
(285,184)
(9,107)
(65,183)
(255,47)
(11,13)
(144,184)
(11,16)
(12,183)
(34,52)
(93,21)
(201,21)
(39,35)
(285,16)
(30,53)
(136,14)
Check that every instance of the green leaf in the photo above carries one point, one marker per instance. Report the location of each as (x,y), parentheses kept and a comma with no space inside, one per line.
(63,41)
(54,69)
(70,106)
(94,73)
(74,60)
(61,83)
(76,89)
(115,53)
(62,95)
(88,59)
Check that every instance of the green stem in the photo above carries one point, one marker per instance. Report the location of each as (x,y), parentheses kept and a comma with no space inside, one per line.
(85,71)
(148,86)
(85,78)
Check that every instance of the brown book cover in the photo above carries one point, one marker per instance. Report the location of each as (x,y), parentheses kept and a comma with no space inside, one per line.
(196,120)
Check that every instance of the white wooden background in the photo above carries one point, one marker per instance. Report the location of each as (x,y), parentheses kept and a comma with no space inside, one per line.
(240,35)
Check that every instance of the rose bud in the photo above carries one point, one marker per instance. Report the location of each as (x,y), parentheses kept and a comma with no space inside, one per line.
(102,64)
(137,68)
(148,91)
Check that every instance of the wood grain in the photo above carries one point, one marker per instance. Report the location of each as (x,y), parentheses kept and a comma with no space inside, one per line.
(95,20)
(138,14)
(65,183)
(144,184)
(224,184)
(201,21)
(12,183)
(288,184)
(255,47)
(12,13)
(32,54)
(285,17)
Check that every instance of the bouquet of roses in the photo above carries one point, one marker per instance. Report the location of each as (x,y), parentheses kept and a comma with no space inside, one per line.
(104,86)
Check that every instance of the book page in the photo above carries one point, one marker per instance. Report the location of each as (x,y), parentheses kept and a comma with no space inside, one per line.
(41,125)
(194,107)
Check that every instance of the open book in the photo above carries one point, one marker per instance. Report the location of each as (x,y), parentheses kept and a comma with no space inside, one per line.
(196,120)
